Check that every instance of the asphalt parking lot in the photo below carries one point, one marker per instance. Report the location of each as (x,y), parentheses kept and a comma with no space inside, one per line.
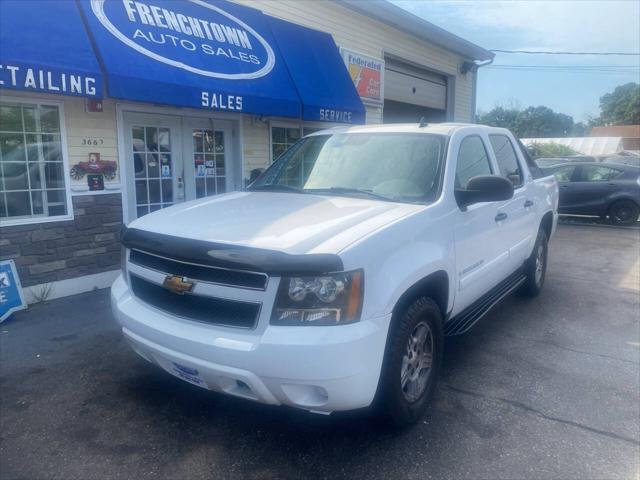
(542,389)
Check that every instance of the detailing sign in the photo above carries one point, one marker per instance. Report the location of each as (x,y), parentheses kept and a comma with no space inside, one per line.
(196,36)
(367,74)
(11,297)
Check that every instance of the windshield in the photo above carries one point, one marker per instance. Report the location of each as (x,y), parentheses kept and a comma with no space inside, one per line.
(403,167)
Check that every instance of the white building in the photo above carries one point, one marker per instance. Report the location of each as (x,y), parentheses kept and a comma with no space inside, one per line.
(110,109)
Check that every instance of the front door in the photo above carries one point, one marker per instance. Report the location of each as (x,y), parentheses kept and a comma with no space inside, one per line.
(481,245)
(172,159)
(207,154)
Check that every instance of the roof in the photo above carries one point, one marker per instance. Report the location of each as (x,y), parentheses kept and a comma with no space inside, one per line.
(626,131)
(386,12)
(434,128)
(584,145)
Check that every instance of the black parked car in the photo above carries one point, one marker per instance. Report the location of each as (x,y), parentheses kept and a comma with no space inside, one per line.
(624,160)
(605,190)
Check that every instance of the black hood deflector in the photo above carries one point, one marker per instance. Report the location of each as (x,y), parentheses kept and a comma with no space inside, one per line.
(230,256)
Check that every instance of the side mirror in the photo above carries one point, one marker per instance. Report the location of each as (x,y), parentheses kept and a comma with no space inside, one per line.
(485,188)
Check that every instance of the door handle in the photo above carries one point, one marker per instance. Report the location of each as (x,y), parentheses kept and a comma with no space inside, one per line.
(501,216)
(528,204)
(564,186)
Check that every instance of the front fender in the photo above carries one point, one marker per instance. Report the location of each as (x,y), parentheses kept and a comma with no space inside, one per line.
(401,255)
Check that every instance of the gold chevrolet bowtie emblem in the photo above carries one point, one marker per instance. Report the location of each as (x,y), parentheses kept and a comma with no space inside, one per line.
(177,284)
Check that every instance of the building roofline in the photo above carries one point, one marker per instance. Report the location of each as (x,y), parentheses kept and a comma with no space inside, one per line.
(386,12)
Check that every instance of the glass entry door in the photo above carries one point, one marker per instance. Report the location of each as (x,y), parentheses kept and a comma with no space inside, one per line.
(153,166)
(171,159)
(207,156)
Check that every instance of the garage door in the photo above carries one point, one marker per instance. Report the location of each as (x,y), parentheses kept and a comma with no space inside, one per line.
(406,84)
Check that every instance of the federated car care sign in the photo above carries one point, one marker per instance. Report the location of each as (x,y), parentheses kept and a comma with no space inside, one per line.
(11,298)
(194,35)
(367,74)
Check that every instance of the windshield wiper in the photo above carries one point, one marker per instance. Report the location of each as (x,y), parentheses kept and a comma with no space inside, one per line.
(275,187)
(347,191)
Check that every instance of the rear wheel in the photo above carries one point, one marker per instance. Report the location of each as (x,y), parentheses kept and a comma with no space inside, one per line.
(623,212)
(412,363)
(536,266)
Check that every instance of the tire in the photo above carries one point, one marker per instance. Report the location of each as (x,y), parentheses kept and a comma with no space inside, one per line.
(623,212)
(403,404)
(535,267)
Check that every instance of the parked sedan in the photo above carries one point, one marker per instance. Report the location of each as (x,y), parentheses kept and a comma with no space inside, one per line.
(605,190)
(553,161)
(624,160)
(550,162)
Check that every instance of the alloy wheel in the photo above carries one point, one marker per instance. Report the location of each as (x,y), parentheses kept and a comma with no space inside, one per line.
(417,362)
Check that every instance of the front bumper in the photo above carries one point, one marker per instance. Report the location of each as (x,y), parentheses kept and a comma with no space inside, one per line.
(322,369)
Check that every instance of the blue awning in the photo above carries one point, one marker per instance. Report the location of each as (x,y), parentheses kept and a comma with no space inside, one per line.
(214,55)
(319,73)
(44,47)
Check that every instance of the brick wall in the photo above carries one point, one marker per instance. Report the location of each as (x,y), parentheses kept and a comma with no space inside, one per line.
(47,252)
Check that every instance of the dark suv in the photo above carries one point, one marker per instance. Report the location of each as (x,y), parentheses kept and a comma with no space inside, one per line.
(606,190)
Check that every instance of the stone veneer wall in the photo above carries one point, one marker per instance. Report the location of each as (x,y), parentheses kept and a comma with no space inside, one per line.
(51,251)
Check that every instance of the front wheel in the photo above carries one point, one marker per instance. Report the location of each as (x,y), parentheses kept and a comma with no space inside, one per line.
(412,363)
(623,212)
(535,268)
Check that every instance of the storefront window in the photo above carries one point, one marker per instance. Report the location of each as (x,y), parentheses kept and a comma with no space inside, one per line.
(281,139)
(32,179)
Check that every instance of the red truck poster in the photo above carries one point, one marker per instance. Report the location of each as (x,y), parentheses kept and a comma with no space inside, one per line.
(367,74)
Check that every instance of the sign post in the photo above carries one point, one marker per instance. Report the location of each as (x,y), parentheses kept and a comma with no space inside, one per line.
(11,297)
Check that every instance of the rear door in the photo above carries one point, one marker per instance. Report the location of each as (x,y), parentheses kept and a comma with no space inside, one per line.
(592,188)
(520,210)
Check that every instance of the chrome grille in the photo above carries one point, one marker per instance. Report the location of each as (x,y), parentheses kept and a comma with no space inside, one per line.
(200,308)
(198,272)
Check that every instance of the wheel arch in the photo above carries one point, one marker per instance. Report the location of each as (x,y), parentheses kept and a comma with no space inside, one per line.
(621,198)
(547,224)
(434,286)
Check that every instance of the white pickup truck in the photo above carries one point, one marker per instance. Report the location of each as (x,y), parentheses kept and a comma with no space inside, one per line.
(330,282)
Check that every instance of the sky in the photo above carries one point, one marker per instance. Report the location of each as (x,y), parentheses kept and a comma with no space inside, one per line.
(560,25)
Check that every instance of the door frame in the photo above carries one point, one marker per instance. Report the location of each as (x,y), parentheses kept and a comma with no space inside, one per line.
(128,170)
(215,124)
(237,139)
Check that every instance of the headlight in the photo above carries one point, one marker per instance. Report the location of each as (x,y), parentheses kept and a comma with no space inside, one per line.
(332,299)
(123,264)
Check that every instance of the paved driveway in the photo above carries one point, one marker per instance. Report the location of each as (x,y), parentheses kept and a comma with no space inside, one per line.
(541,389)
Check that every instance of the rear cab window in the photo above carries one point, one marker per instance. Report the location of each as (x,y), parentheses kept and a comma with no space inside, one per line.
(507,159)
(472,161)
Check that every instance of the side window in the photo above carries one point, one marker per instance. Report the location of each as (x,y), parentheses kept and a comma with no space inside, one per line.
(533,166)
(596,173)
(564,174)
(507,159)
(472,161)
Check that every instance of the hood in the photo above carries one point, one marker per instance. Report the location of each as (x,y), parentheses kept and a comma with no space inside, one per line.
(289,222)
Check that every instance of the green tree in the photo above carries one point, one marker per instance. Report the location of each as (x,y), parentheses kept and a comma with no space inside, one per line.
(550,150)
(621,107)
(500,117)
(533,122)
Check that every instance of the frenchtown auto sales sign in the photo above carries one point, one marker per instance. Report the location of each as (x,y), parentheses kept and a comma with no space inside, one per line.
(202,38)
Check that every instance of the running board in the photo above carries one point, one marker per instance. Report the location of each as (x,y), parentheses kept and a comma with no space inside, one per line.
(466,319)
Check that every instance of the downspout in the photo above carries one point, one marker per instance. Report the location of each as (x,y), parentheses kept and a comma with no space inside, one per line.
(474,87)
